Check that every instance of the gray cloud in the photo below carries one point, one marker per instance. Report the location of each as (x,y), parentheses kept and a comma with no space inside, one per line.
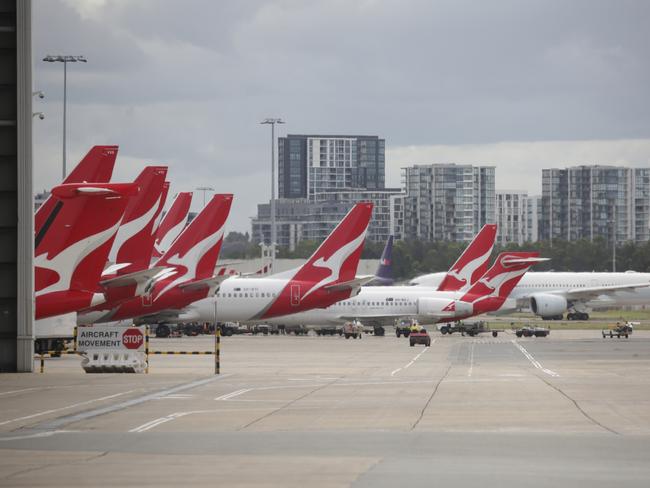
(186,83)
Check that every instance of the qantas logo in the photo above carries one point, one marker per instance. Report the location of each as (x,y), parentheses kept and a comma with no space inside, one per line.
(463,273)
(187,264)
(130,229)
(494,284)
(66,262)
(334,263)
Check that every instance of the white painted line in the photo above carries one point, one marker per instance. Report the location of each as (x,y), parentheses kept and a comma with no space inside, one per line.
(410,363)
(471,359)
(178,396)
(34,436)
(54,410)
(534,361)
(156,422)
(20,391)
(228,396)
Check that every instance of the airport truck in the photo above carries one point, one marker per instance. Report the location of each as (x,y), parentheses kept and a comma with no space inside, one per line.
(532,332)
(470,328)
(619,330)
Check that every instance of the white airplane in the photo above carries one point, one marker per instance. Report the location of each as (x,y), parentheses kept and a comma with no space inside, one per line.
(381,305)
(550,294)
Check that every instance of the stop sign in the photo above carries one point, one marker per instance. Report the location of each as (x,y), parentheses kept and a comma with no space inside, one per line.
(132,338)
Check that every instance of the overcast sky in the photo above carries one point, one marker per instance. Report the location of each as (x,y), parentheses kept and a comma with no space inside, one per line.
(517,84)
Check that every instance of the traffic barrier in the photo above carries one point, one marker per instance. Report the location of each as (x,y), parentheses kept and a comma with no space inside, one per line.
(114,362)
(130,361)
(190,353)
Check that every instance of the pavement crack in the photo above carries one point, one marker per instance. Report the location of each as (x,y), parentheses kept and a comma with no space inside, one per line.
(433,393)
(577,405)
(286,405)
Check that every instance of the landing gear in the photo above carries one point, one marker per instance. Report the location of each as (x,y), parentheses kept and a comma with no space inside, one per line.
(577,316)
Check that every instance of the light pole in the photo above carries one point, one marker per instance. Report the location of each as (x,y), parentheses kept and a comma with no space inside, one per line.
(65,59)
(272,123)
(204,189)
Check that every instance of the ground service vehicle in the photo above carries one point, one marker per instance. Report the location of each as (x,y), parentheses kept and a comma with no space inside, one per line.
(420,337)
(618,330)
(352,329)
(471,329)
(532,332)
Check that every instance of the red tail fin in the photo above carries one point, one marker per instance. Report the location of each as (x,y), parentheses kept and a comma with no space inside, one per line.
(337,258)
(472,263)
(96,167)
(491,291)
(195,252)
(134,240)
(72,246)
(173,223)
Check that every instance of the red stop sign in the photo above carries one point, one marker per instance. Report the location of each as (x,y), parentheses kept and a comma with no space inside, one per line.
(132,338)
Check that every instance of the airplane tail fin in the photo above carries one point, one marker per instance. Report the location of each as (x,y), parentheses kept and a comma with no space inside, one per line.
(95,167)
(384,273)
(172,223)
(337,258)
(472,263)
(73,243)
(494,287)
(195,252)
(134,240)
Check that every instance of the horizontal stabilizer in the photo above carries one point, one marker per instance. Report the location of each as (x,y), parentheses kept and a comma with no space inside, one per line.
(135,278)
(351,284)
(212,282)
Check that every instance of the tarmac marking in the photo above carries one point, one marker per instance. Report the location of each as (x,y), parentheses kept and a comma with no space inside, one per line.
(20,391)
(534,361)
(153,423)
(34,436)
(54,410)
(55,424)
(233,394)
(471,359)
(410,363)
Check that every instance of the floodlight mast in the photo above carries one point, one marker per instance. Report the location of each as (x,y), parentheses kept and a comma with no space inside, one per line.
(65,59)
(272,122)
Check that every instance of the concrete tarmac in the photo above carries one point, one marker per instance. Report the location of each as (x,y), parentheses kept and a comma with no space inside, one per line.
(568,410)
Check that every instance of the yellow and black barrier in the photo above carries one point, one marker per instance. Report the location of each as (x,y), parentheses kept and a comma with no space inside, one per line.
(216,353)
(190,353)
(50,354)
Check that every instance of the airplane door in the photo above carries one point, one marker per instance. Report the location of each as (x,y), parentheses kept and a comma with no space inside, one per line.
(295,295)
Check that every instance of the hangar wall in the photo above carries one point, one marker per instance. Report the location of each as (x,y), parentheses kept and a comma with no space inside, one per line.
(16,213)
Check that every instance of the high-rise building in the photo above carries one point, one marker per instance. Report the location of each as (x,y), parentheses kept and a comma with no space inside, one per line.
(309,164)
(320,178)
(533,209)
(512,217)
(446,201)
(585,202)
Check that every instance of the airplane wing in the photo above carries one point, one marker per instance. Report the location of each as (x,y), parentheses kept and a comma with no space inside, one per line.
(595,291)
(139,278)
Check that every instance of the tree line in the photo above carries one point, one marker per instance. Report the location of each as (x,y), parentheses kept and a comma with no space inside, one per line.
(413,258)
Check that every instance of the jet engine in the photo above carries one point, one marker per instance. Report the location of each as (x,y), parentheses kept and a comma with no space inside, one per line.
(546,305)
(444,308)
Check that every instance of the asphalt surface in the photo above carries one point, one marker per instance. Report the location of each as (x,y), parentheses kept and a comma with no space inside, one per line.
(568,410)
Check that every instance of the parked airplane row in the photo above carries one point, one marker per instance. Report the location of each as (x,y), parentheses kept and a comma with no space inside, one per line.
(104,252)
